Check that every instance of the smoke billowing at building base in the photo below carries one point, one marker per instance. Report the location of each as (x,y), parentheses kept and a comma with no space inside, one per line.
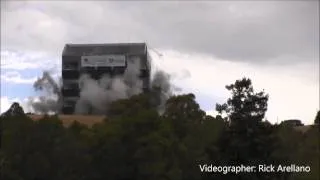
(51,100)
(97,95)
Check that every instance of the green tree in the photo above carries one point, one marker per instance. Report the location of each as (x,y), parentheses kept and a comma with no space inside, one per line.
(40,150)
(15,127)
(245,104)
(307,153)
(129,145)
(192,132)
(184,112)
(299,148)
(317,119)
(183,117)
(247,139)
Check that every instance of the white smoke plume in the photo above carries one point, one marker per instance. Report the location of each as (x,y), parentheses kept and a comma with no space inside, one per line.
(51,101)
(97,95)
(162,89)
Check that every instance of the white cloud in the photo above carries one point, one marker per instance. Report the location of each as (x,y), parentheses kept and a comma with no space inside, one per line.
(239,31)
(6,103)
(16,66)
(38,24)
(15,77)
(14,60)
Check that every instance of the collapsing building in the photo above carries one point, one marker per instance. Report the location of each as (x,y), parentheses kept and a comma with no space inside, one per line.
(98,60)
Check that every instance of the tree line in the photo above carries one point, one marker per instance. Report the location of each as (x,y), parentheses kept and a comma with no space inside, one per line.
(135,142)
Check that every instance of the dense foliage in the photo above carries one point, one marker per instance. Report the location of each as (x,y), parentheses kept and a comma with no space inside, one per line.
(317,119)
(136,143)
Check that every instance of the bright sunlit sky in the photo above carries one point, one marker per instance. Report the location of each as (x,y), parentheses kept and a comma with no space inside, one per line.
(205,46)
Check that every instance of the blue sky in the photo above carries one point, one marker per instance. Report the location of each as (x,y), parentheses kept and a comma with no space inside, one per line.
(276,44)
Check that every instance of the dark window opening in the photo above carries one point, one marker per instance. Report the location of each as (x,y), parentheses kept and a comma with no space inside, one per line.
(68,110)
(70,75)
(70,65)
(70,92)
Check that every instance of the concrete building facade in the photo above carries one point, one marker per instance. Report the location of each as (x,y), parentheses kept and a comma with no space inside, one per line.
(97,60)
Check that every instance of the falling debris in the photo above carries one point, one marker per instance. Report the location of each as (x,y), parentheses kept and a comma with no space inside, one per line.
(97,95)
(108,72)
(51,102)
(162,89)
